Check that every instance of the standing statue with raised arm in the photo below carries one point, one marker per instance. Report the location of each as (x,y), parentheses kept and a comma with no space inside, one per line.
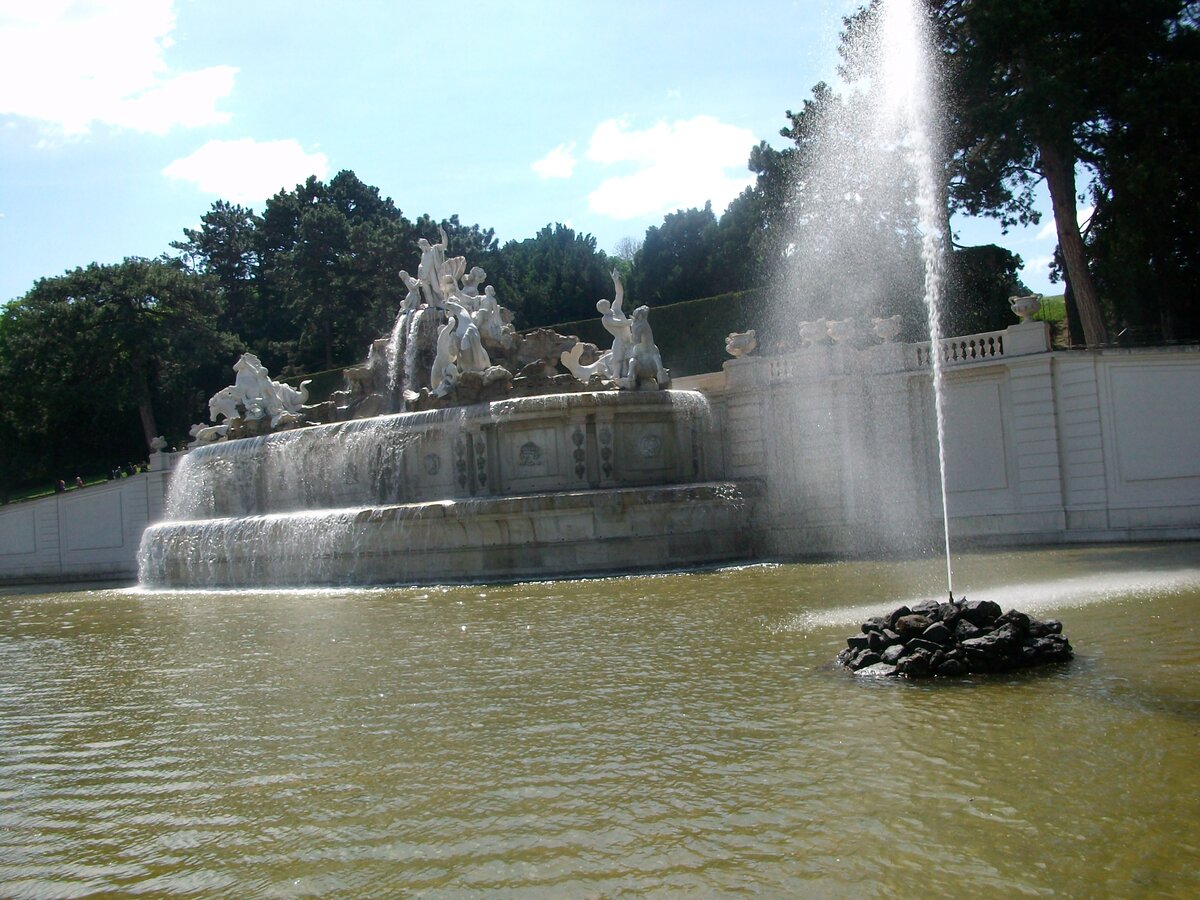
(616,323)
(433,266)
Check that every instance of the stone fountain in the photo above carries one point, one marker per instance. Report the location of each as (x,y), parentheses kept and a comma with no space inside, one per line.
(458,450)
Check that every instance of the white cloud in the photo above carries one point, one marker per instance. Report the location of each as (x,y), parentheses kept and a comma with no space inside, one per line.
(1038,267)
(73,64)
(558,163)
(1050,232)
(679,164)
(247,171)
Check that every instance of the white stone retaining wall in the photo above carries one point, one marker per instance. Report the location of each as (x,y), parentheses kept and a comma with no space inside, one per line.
(84,534)
(1041,446)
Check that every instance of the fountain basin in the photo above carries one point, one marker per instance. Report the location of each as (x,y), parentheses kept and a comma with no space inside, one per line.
(503,538)
(558,442)
(552,485)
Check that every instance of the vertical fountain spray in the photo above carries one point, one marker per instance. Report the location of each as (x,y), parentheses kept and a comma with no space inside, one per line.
(906,64)
(865,244)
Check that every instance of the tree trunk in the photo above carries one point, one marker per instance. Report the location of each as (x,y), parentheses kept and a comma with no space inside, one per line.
(149,426)
(141,384)
(1074,330)
(1059,169)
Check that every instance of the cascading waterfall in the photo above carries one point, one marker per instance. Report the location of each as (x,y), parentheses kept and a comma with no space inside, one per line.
(560,483)
(395,348)
(402,355)
(410,349)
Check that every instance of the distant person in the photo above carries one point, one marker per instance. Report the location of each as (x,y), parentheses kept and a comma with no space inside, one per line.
(60,487)
(78,481)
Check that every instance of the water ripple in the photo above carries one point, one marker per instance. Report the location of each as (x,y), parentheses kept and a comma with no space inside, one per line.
(674,734)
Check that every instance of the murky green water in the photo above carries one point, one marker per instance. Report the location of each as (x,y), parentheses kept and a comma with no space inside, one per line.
(669,734)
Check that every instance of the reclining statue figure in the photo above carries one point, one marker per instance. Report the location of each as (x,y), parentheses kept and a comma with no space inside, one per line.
(257,395)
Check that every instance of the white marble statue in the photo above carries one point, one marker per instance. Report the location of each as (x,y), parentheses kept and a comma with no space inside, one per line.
(487,317)
(447,354)
(812,332)
(290,400)
(645,362)
(471,355)
(602,365)
(614,362)
(434,268)
(256,394)
(224,403)
(453,298)
(616,323)
(1026,307)
(472,280)
(207,434)
(447,382)
(414,297)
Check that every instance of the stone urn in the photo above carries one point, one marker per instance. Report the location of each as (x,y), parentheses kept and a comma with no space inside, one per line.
(812,332)
(887,330)
(1025,308)
(739,344)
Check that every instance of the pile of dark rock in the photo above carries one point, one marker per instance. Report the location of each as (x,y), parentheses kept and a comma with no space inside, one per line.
(953,638)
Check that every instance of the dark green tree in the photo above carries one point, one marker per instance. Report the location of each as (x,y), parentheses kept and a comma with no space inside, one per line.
(1034,88)
(1144,235)
(978,282)
(676,259)
(225,247)
(109,357)
(329,258)
(555,276)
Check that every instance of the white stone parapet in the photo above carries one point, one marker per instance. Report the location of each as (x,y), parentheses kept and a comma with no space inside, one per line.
(1016,340)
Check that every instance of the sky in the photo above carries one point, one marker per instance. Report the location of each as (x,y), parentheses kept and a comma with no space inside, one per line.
(122,121)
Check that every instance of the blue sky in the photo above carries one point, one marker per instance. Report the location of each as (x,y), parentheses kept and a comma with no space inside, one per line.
(121,121)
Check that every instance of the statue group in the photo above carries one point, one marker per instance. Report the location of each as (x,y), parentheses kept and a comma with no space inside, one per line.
(453,320)
(633,361)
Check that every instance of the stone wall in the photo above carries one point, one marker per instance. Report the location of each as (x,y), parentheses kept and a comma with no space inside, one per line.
(85,534)
(1041,446)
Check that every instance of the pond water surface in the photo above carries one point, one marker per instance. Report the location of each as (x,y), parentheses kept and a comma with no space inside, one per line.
(682,733)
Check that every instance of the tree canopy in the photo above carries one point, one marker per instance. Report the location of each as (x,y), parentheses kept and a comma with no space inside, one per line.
(1039,90)
(108,357)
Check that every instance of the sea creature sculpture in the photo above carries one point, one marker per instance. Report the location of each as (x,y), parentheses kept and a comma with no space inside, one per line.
(447,353)
(645,362)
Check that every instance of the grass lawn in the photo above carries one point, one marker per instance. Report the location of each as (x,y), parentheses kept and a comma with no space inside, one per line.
(1054,309)
(37,492)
